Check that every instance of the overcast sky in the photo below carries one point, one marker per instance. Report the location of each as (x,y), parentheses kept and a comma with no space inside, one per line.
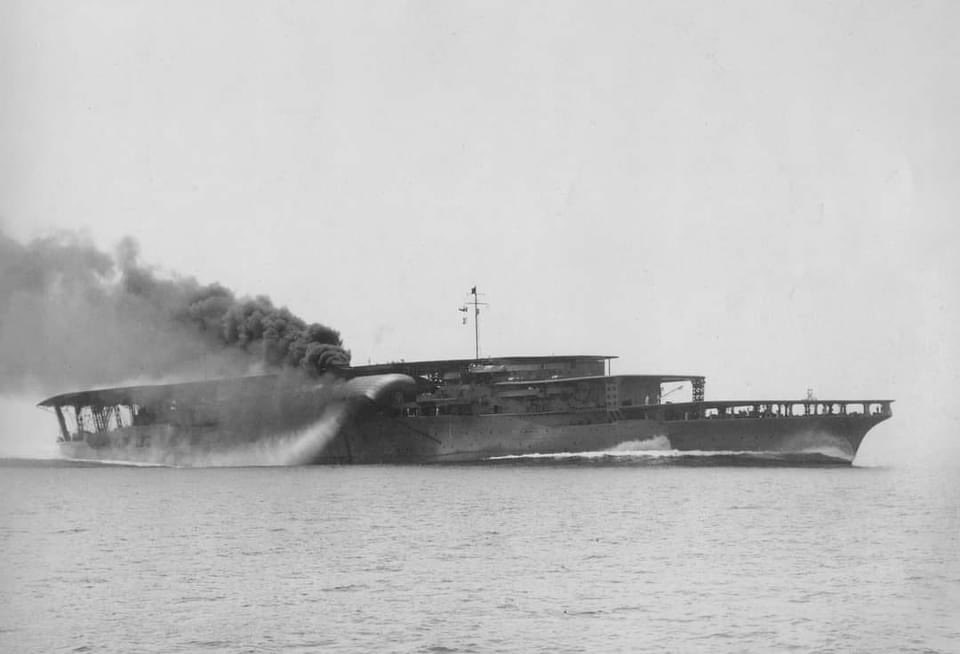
(762,192)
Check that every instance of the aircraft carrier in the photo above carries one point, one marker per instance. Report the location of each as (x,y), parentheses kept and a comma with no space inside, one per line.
(459,410)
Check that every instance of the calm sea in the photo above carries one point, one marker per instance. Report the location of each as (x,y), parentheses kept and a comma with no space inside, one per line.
(525,556)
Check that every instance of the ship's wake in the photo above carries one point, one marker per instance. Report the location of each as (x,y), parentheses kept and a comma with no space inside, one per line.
(659,451)
(818,443)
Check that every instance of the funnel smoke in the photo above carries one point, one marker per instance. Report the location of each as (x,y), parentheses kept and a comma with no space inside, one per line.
(72,315)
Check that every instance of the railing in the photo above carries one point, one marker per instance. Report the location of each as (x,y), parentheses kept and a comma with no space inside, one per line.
(776,409)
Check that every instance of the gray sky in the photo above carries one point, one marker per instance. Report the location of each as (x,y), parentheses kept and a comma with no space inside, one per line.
(762,192)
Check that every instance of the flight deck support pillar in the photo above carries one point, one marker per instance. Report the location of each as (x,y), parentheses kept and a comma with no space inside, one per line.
(64,435)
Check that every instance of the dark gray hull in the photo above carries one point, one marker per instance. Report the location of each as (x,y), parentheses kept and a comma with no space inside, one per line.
(381,439)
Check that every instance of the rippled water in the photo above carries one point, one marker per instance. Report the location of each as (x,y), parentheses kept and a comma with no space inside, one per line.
(557,556)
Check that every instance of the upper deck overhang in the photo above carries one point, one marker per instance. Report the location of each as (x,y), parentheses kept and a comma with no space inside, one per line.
(415,368)
(151,393)
(148,393)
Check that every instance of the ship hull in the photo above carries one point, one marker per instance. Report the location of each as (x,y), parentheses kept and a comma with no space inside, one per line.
(379,438)
(458,439)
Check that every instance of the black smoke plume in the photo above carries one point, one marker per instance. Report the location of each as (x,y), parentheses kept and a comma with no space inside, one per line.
(72,315)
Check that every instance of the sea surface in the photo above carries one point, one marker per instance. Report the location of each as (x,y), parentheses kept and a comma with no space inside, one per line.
(541,555)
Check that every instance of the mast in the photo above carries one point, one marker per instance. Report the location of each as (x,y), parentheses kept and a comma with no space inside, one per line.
(476,324)
(476,319)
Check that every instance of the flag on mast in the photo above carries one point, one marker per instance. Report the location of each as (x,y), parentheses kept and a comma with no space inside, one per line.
(473,291)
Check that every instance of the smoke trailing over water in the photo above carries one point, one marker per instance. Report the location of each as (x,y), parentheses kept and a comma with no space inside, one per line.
(72,315)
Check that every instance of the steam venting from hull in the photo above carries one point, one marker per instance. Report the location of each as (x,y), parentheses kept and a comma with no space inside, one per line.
(298,446)
(74,316)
